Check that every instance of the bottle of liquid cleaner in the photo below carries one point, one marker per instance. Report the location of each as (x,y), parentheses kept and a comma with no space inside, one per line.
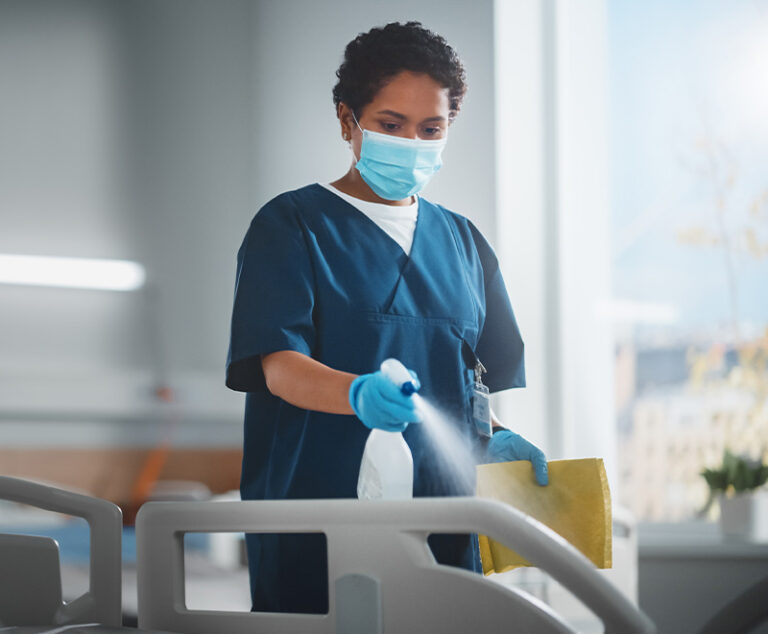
(386,471)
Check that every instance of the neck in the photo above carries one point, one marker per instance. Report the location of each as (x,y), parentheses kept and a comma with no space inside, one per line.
(354,185)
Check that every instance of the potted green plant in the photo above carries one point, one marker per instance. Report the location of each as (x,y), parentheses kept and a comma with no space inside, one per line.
(743,504)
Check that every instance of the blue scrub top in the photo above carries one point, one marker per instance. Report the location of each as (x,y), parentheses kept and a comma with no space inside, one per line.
(316,275)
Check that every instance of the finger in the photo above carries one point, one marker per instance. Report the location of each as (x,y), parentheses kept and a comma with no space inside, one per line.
(391,391)
(389,400)
(396,397)
(528,450)
(541,469)
(394,413)
(396,426)
(403,410)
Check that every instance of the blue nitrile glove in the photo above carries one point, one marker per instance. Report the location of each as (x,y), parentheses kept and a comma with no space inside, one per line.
(506,445)
(380,404)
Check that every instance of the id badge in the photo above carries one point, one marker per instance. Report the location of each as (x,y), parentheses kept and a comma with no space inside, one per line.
(481,410)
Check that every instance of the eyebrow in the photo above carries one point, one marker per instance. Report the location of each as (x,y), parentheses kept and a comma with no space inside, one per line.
(400,116)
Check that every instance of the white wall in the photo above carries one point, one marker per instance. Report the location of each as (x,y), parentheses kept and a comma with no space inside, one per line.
(589,427)
(188,121)
(59,173)
(523,180)
(554,221)
(126,134)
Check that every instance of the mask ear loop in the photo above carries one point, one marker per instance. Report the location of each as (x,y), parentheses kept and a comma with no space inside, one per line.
(350,138)
(356,121)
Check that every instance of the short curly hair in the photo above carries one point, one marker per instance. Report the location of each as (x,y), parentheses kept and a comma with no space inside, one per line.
(372,58)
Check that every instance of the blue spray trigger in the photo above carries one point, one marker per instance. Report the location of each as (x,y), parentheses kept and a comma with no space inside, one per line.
(408,388)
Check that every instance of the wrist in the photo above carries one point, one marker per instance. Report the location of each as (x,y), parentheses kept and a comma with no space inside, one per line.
(352,393)
(354,389)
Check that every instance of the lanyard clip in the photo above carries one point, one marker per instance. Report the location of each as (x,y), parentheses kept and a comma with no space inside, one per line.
(481,403)
(479,370)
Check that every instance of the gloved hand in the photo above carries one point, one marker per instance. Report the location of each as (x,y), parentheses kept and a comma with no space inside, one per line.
(380,404)
(506,445)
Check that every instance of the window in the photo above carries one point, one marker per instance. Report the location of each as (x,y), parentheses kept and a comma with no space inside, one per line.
(689,207)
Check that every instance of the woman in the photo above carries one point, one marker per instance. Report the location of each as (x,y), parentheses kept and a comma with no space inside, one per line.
(334,278)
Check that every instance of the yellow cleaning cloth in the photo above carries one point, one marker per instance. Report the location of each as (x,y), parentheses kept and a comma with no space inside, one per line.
(576,504)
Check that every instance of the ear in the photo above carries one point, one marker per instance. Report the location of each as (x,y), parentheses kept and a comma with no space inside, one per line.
(345,118)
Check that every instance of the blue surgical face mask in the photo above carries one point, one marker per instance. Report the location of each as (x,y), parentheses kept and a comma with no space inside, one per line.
(395,167)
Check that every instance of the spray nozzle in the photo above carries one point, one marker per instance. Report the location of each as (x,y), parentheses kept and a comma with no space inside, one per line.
(408,388)
(399,375)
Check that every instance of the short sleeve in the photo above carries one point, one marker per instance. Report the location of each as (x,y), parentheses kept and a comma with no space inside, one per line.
(274,298)
(500,346)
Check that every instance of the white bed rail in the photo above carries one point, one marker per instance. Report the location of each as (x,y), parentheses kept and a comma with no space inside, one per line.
(382,575)
(102,601)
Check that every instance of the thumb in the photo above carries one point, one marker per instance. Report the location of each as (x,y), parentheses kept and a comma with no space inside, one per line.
(540,468)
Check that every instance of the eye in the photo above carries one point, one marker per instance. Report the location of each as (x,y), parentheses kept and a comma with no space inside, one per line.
(432,132)
(389,126)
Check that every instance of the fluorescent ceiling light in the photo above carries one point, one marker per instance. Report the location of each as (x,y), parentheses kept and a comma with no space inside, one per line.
(33,270)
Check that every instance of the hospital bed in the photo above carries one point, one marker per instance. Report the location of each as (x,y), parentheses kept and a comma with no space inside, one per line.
(383,577)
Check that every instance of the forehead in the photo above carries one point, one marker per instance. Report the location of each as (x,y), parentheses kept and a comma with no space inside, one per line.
(415,95)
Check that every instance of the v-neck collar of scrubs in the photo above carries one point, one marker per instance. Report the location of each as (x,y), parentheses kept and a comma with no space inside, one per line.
(416,232)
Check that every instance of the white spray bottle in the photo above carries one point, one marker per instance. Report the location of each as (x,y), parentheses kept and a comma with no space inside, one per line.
(386,471)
